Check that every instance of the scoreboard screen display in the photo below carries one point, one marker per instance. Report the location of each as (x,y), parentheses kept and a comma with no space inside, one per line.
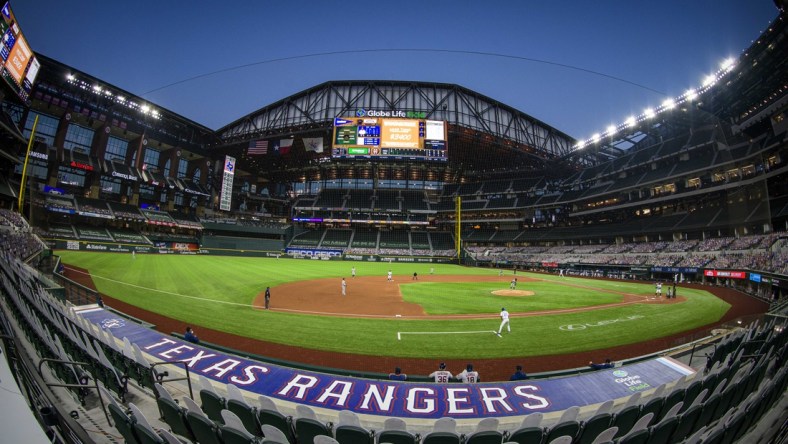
(18,65)
(389,138)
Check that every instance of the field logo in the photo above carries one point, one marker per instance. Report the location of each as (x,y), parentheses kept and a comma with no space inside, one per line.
(576,327)
(632,383)
(112,323)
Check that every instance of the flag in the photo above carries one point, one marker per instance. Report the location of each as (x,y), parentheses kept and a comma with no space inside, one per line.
(284,146)
(257,147)
(315,144)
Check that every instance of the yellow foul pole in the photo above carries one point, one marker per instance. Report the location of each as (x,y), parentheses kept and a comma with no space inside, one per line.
(457,230)
(24,167)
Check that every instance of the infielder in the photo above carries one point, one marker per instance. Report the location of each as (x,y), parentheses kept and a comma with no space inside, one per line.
(344,287)
(389,277)
(504,321)
(441,375)
(513,284)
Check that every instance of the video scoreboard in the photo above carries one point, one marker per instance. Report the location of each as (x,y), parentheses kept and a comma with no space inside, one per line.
(389,138)
(18,65)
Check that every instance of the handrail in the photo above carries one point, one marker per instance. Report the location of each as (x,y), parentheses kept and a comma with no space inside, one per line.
(80,386)
(159,377)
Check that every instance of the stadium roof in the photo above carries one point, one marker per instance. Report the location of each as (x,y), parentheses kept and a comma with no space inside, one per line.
(316,107)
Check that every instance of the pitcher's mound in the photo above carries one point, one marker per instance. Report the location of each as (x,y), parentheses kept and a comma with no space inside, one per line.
(513,293)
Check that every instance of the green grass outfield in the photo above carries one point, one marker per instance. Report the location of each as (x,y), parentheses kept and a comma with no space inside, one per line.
(217,291)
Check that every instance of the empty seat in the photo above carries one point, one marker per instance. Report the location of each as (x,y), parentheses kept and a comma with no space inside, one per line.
(307,428)
(173,415)
(204,430)
(527,435)
(594,426)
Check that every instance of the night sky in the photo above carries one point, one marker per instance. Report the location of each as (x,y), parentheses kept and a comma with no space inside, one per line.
(220,58)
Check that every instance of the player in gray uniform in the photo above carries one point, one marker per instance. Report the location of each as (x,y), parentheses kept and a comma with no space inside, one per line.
(441,375)
(468,376)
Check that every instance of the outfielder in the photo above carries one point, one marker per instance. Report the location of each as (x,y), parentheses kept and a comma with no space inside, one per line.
(352,272)
(504,321)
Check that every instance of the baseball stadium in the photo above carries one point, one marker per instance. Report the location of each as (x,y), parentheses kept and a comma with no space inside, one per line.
(368,262)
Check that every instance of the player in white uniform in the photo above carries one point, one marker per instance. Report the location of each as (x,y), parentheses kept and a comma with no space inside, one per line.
(344,287)
(432,270)
(468,376)
(513,284)
(441,375)
(353,272)
(504,321)
(389,277)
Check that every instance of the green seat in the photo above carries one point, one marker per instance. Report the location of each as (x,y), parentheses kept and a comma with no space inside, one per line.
(709,409)
(396,437)
(146,436)
(172,414)
(306,430)
(204,429)
(639,437)
(566,428)
(625,419)
(247,415)
(485,437)
(231,435)
(687,422)
(654,406)
(212,405)
(662,433)
(350,434)
(593,427)
(442,438)
(278,420)
(123,424)
(527,435)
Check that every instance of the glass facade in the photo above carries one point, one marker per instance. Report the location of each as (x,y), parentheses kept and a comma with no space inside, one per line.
(78,138)
(46,128)
(116,149)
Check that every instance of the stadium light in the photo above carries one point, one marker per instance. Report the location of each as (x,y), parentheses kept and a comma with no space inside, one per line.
(709,80)
(691,94)
(727,64)
(145,109)
(611,130)
(649,113)
(630,122)
(668,104)
(70,77)
(595,138)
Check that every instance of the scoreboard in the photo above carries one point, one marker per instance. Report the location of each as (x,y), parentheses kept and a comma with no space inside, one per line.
(389,138)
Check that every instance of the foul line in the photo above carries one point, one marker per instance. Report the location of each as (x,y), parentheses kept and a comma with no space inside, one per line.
(400,333)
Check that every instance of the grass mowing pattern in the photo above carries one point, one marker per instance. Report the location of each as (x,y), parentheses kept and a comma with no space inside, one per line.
(211,279)
(476,297)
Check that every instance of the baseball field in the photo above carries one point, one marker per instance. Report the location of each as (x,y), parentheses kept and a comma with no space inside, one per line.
(451,313)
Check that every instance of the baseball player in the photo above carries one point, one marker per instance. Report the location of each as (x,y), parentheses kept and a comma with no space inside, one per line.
(441,375)
(504,321)
(432,270)
(468,376)
(513,284)
(344,287)
(389,277)
(353,272)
